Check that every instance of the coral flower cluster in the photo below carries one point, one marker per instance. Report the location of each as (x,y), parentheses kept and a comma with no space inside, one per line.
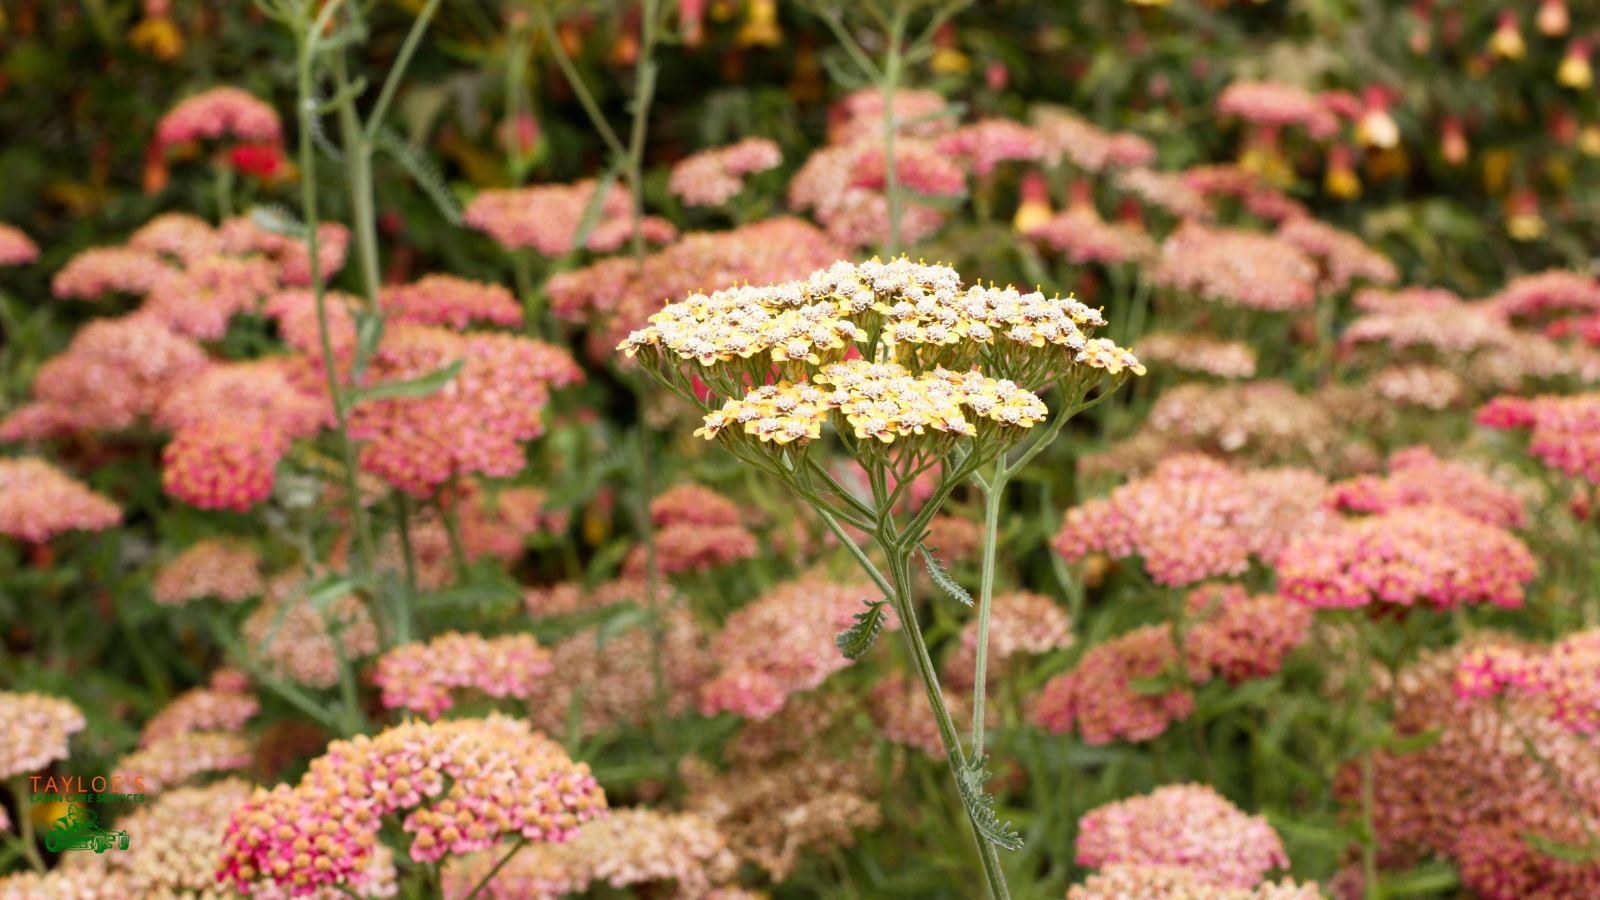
(780,645)
(39,501)
(1245,269)
(1417,477)
(1195,518)
(302,641)
(16,248)
(1411,555)
(450,301)
(1563,432)
(37,727)
(546,218)
(697,530)
(1562,681)
(216,113)
(222,705)
(713,177)
(460,787)
(1199,353)
(422,677)
(1186,826)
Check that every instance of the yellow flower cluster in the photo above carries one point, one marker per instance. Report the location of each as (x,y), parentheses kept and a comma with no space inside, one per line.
(920,313)
(879,401)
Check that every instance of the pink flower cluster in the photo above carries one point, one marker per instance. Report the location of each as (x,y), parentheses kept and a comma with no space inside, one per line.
(219,112)
(1542,295)
(212,567)
(1257,197)
(1068,136)
(843,185)
(983,145)
(1564,432)
(1418,478)
(1430,387)
(450,301)
(546,218)
(1563,680)
(1409,555)
(1021,623)
(301,643)
(180,757)
(115,372)
(713,177)
(503,779)
(1343,257)
(178,237)
(1081,237)
(1195,518)
(1169,191)
(1098,698)
(476,424)
(223,463)
(781,644)
(697,530)
(1277,105)
(222,705)
(916,113)
(202,299)
(37,728)
(242,236)
(16,248)
(1187,826)
(1139,882)
(421,677)
(1238,636)
(1237,268)
(1199,353)
(38,501)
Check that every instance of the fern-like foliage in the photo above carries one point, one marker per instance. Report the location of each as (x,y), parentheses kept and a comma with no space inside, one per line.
(423,171)
(278,220)
(980,806)
(856,640)
(942,578)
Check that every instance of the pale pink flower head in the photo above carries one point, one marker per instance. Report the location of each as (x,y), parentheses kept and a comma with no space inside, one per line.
(1194,518)
(1188,826)
(421,678)
(1021,624)
(1147,882)
(1417,478)
(98,271)
(37,728)
(1277,105)
(1237,268)
(1342,257)
(217,113)
(1564,432)
(1098,699)
(16,248)
(178,237)
(782,644)
(695,548)
(1068,136)
(183,756)
(1429,387)
(1408,556)
(713,177)
(203,299)
(262,390)
(1257,197)
(242,236)
(225,570)
(223,463)
(544,218)
(917,113)
(1399,300)
(1540,296)
(1081,237)
(1199,353)
(1238,636)
(1168,191)
(295,313)
(985,144)
(477,423)
(114,373)
(456,787)
(203,709)
(39,501)
(843,185)
(613,234)
(302,643)
(450,301)
(693,504)
(1560,682)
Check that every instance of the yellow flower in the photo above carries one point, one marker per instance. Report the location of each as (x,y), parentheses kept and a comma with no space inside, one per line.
(1575,71)
(158,37)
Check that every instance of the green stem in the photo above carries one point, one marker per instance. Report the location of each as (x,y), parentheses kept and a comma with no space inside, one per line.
(358,184)
(911,631)
(391,83)
(25,837)
(644,89)
(296,697)
(993,493)
(1369,831)
(402,617)
(891,83)
(608,135)
(452,529)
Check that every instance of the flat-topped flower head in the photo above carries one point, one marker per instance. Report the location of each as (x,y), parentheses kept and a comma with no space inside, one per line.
(216,113)
(1564,432)
(1417,477)
(713,177)
(422,677)
(39,501)
(450,301)
(16,248)
(1189,826)
(37,727)
(225,570)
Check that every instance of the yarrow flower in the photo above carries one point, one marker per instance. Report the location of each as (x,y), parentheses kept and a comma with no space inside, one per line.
(98,271)
(1562,681)
(1417,478)
(297,641)
(1145,882)
(1168,191)
(1021,624)
(1277,105)
(38,502)
(201,300)
(1236,635)
(421,677)
(223,464)
(1409,555)
(1098,698)
(1237,268)
(216,113)
(1429,387)
(450,301)
(780,645)
(1199,353)
(504,779)
(179,237)
(1538,297)
(713,177)
(1342,257)
(1564,432)
(916,113)
(1187,826)
(37,727)
(844,186)
(243,236)
(1069,136)
(628,848)
(219,706)
(544,218)
(1257,197)
(1081,236)
(985,144)
(180,757)
(16,248)
(263,390)
(1194,518)
(475,424)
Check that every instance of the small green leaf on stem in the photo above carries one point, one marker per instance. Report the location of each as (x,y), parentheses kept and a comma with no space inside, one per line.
(942,578)
(856,640)
(421,386)
(980,805)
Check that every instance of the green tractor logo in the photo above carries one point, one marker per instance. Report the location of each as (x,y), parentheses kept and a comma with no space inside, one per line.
(80,829)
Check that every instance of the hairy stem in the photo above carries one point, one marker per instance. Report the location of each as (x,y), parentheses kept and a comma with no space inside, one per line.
(993,493)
